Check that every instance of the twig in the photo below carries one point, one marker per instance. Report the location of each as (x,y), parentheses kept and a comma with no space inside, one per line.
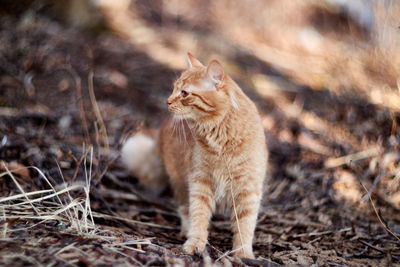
(306,223)
(78,86)
(379,217)
(56,193)
(164,203)
(20,188)
(96,110)
(371,246)
(4,234)
(376,181)
(234,204)
(126,255)
(323,233)
(105,216)
(254,262)
(78,164)
(125,208)
(336,162)
(26,194)
(116,194)
(226,254)
(358,254)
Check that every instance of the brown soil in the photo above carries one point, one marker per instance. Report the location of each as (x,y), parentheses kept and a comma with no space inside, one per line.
(315,209)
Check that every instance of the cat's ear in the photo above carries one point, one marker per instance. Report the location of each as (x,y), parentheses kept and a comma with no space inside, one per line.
(192,61)
(215,72)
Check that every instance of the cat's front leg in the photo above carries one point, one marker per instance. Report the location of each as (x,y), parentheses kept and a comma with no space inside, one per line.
(183,212)
(245,207)
(201,205)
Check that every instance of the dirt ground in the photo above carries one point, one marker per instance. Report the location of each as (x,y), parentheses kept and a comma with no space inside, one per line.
(70,94)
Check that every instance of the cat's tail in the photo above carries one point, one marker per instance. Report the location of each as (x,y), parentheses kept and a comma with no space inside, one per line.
(140,156)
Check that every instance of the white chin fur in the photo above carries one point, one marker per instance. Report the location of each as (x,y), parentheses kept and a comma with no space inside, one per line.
(139,154)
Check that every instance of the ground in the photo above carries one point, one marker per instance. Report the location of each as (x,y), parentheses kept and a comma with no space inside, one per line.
(71,95)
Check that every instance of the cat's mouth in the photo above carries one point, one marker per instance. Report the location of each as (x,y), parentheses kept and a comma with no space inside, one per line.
(173,109)
(178,111)
(182,115)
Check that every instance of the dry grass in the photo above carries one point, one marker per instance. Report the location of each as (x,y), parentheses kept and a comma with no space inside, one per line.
(28,211)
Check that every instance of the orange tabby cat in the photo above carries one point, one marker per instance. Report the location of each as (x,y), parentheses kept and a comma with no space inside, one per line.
(213,151)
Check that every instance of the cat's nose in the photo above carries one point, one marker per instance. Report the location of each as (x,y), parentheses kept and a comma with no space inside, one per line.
(168,102)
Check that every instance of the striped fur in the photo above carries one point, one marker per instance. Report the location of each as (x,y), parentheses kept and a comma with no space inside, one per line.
(215,155)
(227,152)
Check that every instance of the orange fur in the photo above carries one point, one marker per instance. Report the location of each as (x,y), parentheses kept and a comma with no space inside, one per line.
(214,153)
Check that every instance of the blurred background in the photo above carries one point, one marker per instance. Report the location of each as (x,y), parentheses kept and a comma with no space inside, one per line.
(325,75)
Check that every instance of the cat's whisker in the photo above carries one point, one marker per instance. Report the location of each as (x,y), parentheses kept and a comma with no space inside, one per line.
(175,130)
(184,131)
(173,125)
(190,129)
(178,129)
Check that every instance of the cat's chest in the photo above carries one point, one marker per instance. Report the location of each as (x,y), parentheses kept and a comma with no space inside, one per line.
(221,189)
(220,175)
(220,186)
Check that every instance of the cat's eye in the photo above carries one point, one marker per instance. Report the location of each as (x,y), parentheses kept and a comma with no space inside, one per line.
(184,93)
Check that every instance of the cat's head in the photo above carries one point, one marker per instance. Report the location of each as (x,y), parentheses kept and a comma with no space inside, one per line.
(200,93)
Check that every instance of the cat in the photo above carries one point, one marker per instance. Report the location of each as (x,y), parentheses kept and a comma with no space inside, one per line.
(213,149)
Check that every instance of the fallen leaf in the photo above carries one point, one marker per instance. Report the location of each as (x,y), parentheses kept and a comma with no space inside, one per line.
(16,168)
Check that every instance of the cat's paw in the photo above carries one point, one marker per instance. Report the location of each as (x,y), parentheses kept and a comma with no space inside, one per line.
(194,246)
(244,254)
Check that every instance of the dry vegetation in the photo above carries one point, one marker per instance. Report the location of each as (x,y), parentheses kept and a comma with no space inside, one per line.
(76,79)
